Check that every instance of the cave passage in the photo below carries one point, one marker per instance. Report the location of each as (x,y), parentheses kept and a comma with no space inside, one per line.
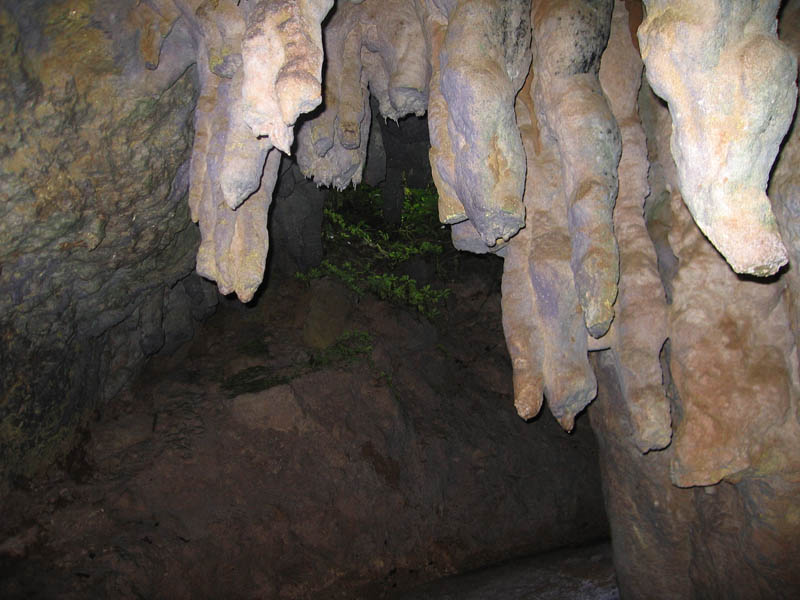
(334,298)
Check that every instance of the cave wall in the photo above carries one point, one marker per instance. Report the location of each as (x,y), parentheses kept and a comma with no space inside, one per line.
(114,117)
(96,248)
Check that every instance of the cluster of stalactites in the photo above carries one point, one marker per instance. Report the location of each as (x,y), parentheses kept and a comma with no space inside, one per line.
(539,154)
(260,67)
(537,150)
(376,47)
(586,152)
(586,250)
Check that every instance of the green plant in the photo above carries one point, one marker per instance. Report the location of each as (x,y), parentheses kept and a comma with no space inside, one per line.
(365,253)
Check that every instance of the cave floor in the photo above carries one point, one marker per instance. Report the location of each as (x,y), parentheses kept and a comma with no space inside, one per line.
(186,487)
(585,573)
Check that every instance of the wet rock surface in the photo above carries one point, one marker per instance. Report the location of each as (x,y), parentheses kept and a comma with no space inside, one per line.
(577,574)
(254,465)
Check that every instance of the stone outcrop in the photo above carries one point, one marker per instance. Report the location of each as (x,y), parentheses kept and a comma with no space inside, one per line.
(731,90)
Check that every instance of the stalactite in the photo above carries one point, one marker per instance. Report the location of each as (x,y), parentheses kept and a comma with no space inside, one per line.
(730,85)
(640,328)
(481,57)
(553,332)
(371,47)
(569,38)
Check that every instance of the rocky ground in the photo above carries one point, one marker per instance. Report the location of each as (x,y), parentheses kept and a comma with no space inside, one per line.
(312,444)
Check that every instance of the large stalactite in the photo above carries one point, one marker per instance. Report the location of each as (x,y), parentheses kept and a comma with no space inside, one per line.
(260,66)
(730,110)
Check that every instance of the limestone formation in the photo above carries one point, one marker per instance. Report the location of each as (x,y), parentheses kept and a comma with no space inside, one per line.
(731,90)
(233,251)
(480,55)
(561,272)
(569,37)
(542,319)
(731,540)
(640,328)
(730,372)
(784,185)
(260,66)
(96,245)
(728,340)
(372,47)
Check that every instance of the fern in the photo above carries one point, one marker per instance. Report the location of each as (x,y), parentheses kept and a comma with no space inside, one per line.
(362,252)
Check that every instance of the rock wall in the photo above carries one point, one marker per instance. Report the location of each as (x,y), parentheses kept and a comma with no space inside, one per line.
(96,247)
(113,116)
(295,222)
